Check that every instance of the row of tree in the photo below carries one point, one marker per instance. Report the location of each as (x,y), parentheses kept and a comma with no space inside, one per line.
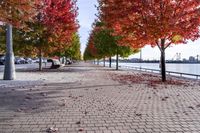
(41,28)
(102,44)
(158,23)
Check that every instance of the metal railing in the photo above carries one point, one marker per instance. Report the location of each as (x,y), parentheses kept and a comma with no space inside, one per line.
(158,71)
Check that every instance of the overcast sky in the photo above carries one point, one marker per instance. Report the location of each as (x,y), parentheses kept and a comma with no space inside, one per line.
(86,17)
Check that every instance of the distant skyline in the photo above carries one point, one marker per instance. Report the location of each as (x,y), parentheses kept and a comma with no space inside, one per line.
(87,16)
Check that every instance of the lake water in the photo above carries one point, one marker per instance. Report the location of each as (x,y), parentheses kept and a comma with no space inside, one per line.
(182,68)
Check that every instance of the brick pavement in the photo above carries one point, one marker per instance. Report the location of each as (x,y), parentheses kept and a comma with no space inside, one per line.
(96,104)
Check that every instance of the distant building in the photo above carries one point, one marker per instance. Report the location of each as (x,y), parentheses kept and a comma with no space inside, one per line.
(135,60)
(184,60)
(192,59)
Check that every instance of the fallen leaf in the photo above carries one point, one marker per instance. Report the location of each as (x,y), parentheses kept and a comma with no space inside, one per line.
(138,114)
(78,122)
(43,94)
(80,130)
(52,130)
(191,107)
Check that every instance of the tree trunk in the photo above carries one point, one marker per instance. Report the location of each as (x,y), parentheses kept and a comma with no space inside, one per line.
(9,70)
(162,61)
(110,62)
(104,62)
(40,59)
(94,61)
(97,61)
(117,60)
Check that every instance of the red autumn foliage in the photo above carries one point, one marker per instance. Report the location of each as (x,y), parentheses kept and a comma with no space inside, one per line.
(60,19)
(16,12)
(146,22)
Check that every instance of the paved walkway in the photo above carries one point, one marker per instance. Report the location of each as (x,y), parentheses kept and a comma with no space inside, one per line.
(94,103)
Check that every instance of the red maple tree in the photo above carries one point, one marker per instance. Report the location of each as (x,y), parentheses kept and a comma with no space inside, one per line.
(60,19)
(152,22)
(16,12)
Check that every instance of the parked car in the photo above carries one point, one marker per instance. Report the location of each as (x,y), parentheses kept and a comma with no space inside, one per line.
(2,59)
(55,63)
(19,60)
(35,60)
(68,62)
(28,60)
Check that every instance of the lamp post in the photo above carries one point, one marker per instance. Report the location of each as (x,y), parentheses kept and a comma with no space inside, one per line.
(9,70)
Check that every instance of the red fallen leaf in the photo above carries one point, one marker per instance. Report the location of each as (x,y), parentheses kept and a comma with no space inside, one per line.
(191,107)
(78,123)
(85,112)
(80,130)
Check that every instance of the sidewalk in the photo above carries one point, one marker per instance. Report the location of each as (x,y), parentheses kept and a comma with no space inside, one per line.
(90,99)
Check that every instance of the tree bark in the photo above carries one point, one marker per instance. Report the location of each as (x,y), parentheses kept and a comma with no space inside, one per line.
(162,60)
(110,62)
(9,70)
(117,60)
(40,59)
(104,62)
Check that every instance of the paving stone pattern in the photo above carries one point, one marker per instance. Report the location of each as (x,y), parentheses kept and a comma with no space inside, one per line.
(96,104)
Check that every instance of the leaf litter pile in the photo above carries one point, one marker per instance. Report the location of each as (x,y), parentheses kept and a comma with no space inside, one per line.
(148,79)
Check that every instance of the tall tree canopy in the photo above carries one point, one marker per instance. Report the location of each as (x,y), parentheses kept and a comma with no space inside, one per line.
(73,51)
(16,12)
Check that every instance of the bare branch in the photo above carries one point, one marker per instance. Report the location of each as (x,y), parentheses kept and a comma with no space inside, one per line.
(168,45)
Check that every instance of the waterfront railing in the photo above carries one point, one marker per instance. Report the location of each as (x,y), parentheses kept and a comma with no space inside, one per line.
(187,75)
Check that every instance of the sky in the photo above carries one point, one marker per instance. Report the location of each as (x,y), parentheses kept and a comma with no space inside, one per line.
(87,16)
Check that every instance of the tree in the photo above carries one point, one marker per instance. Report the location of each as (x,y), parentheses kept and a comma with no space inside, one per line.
(91,52)
(152,22)
(14,13)
(107,44)
(52,29)
(73,51)
(60,19)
